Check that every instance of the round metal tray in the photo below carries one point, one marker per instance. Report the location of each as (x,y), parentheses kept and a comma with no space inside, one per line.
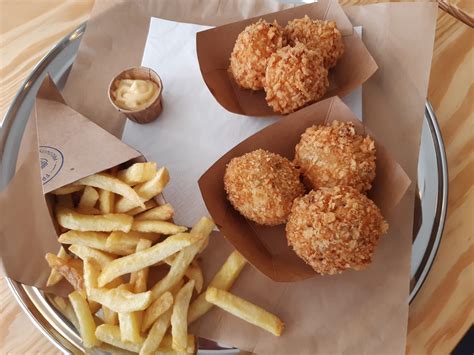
(430,206)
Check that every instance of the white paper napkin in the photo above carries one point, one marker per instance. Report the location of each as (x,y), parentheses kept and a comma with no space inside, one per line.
(193,130)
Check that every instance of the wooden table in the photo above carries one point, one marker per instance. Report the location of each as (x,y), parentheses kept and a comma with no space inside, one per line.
(443,310)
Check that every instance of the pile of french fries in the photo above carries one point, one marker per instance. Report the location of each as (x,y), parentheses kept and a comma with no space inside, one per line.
(114,236)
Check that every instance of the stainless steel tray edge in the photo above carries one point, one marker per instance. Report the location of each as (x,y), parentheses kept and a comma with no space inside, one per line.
(441,206)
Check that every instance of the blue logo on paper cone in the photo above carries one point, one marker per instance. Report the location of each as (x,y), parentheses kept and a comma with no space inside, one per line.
(51,162)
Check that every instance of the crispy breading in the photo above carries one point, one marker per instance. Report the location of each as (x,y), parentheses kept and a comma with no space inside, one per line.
(295,77)
(251,51)
(335,229)
(336,155)
(317,34)
(262,186)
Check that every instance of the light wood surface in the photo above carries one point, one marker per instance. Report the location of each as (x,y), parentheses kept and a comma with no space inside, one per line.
(462,10)
(443,310)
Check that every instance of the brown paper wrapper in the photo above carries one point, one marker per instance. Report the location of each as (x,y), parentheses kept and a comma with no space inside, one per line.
(69,147)
(214,47)
(266,247)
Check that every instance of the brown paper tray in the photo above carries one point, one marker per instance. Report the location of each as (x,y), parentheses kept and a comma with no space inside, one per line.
(266,247)
(214,47)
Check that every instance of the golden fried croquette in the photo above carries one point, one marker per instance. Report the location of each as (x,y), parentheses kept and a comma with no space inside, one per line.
(334,229)
(251,51)
(294,78)
(317,34)
(262,186)
(335,155)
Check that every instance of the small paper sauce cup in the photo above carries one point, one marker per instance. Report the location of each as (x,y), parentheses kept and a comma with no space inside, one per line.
(142,115)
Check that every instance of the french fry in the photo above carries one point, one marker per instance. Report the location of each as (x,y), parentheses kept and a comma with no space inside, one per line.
(167,351)
(114,283)
(146,191)
(156,309)
(65,308)
(223,279)
(110,183)
(154,186)
(194,272)
(106,201)
(204,226)
(135,236)
(96,240)
(138,279)
(120,243)
(245,310)
(55,276)
(110,317)
(138,283)
(130,327)
(64,201)
(174,290)
(89,198)
(162,227)
(121,300)
(102,223)
(87,325)
(71,269)
(84,252)
(170,259)
(110,334)
(91,273)
(129,322)
(107,198)
(156,333)
(174,275)
(67,190)
(179,317)
(71,315)
(110,349)
(137,210)
(184,258)
(88,210)
(166,343)
(137,173)
(145,258)
(59,302)
(160,213)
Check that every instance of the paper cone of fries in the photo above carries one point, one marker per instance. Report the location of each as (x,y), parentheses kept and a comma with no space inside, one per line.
(69,147)
(215,45)
(266,247)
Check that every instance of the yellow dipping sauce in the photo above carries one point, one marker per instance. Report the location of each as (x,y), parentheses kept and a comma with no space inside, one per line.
(135,95)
